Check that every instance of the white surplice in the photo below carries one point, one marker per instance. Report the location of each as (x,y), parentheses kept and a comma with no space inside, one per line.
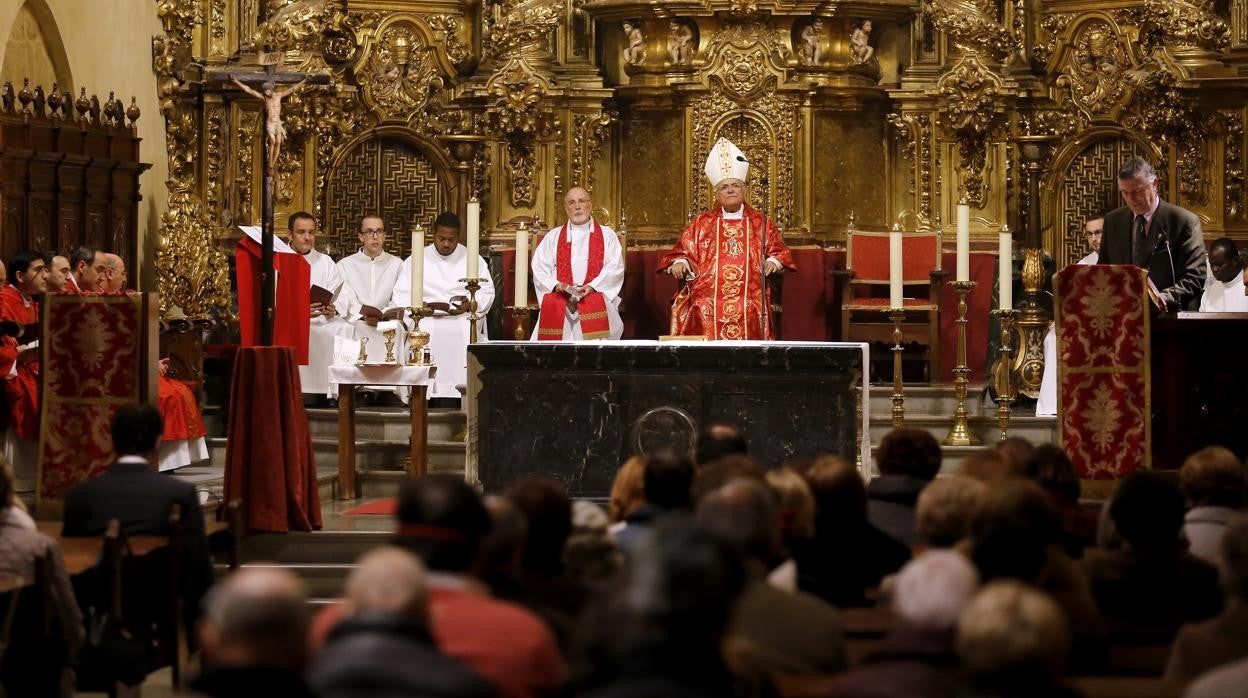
(1228,297)
(321,330)
(369,282)
(1046,403)
(609,281)
(448,334)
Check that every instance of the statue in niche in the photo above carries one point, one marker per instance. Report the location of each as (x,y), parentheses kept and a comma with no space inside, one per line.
(681,44)
(635,52)
(860,48)
(811,51)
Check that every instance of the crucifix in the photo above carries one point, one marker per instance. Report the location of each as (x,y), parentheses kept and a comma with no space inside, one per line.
(275,135)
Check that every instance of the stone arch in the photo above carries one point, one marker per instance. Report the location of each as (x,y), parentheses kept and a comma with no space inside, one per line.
(1083,184)
(390,172)
(34,49)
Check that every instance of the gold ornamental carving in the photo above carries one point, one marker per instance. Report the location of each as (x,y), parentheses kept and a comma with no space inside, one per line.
(913,132)
(590,131)
(970,113)
(295,25)
(1233,161)
(400,77)
(456,50)
(1170,116)
(973,25)
(522,28)
(1188,24)
(1096,69)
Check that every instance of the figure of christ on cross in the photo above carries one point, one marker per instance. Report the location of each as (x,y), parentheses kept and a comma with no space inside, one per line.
(274,131)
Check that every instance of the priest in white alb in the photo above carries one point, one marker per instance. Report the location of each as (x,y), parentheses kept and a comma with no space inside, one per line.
(578,271)
(1046,402)
(323,318)
(445,263)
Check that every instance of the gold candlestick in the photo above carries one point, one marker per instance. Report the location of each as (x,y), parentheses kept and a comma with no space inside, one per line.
(899,399)
(960,434)
(1002,379)
(418,339)
(524,317)
(474,284)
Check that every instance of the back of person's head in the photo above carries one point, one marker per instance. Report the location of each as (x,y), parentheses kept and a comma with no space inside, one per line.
(137,429)
(683,581)
(1052,469)
(548,509)
(1010,633)
(591,556)
(743,514)
(502,549)
(668,480)
(442,520)
(907,451)
(945,508)
(714,475)
(588,517)
(1012,529)
(1148,511)
(1213,477)
(388,580)
(987,465)
(1235,556)
(797,504)
(256,617)
(840,495)
(933,588)
(718,439)
(628,491)
(1015,451)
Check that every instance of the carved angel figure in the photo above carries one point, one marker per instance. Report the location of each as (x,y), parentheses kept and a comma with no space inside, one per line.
(681,43)
(860,48)
(635,52)
(810,52)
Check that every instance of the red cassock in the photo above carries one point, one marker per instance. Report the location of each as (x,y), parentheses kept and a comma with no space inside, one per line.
(179,410)
(21,394)
(725,298)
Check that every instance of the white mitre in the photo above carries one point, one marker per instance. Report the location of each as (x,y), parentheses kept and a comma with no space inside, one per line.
(726,161)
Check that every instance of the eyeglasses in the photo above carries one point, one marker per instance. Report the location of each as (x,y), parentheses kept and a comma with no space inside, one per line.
(373,232)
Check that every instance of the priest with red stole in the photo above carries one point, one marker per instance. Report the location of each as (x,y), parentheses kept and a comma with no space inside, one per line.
(19,364)
(578,271)
(722,256)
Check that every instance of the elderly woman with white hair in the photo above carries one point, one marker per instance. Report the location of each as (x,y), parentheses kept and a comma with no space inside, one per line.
(917,657)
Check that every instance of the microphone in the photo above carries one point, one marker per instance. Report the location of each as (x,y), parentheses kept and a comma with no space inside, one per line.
(1163,238)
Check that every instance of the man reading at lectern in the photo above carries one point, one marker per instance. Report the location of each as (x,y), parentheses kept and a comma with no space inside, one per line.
(445,263)
(1163,238)
(723,255)
(578,271)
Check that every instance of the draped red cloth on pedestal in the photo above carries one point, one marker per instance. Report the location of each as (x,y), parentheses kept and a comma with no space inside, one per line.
(96,360)
(21,393)
(1101,314)
(290,327)
(810,301)
(725,298)
(268,457)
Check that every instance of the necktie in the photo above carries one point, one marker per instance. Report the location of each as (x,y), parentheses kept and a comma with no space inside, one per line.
(1141,241)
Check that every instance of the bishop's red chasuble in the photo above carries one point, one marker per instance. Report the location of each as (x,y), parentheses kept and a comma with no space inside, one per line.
(725,299)
(21,394)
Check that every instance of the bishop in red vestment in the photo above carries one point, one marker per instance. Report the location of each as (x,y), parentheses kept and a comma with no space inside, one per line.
(722,257)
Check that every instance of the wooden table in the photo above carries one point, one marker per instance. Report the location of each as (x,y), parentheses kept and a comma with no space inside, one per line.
(348,377)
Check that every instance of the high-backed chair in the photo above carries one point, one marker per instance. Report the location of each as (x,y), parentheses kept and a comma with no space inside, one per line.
(864,291)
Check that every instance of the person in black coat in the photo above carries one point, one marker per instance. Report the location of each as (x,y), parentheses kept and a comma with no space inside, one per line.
(1163,238)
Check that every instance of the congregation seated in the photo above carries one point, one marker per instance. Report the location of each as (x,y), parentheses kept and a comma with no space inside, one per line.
(718,439)
(943,512)
(908,460)
(667,481)
(797,523)
(28,555)
(1050,467)
(384,647)
(1200,647)
(1212,480)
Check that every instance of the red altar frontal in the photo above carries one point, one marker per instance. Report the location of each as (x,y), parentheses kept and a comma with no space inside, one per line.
(810,302)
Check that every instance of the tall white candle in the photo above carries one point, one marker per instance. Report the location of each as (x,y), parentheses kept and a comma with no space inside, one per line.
(474,237)
(1005,273)
(894,268)
(522,267)
(418,266)
(964,243)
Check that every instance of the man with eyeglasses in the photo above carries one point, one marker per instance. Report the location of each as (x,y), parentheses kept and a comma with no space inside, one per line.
(578,271)
(722,257)
(1163,238)
(368,283)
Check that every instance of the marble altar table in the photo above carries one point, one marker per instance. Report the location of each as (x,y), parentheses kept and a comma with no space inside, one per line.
(575,411)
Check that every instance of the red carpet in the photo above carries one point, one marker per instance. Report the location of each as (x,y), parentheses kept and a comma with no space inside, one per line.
(377,507)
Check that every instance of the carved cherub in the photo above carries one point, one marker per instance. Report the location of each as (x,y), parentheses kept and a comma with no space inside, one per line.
(860,48)
(635,52)
(681,43)
(811,51)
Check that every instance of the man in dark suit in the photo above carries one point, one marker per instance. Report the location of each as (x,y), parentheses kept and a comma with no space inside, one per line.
(1157,236)
(139,497)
